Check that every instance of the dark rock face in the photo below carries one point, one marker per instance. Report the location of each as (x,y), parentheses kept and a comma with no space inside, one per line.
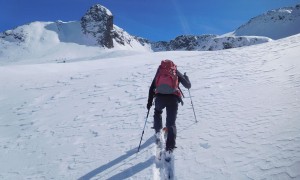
(14,36)
(160,46)
(183,42)
(189,42)
(98,22)
(186,42)
(205,43)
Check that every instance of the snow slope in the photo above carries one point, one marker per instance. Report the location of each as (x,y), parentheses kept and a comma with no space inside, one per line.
(83,120)
(275,24)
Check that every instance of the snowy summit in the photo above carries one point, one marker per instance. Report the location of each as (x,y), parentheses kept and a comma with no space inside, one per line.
(274,24)
(98,23)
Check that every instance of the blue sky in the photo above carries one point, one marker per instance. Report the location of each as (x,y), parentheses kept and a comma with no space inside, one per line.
(151,19)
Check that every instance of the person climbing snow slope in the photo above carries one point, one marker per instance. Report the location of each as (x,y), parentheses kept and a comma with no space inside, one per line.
(165,89)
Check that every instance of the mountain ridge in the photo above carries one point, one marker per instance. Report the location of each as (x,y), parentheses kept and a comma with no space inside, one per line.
(275,24)
(96,33)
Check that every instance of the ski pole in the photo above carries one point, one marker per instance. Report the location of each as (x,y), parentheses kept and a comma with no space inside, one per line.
(192,105)
(143,130)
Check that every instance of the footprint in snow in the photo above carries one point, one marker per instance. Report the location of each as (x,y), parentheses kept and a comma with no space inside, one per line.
(205,145)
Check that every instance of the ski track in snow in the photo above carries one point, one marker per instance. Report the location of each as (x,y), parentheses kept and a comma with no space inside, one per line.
(84,120)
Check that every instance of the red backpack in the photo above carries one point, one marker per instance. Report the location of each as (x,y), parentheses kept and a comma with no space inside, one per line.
(166,79)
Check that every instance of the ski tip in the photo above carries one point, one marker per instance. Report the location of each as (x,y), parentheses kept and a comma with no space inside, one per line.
(165,129)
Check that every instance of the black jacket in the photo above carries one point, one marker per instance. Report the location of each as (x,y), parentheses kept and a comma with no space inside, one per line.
(183,79)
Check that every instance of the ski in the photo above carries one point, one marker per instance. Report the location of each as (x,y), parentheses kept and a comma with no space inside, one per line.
(164,159)
(169,165)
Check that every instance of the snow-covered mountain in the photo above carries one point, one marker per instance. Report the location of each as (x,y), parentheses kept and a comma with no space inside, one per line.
(207,42)
(98,24)
(100,38)
(274,24)
(59,41)
(83,120)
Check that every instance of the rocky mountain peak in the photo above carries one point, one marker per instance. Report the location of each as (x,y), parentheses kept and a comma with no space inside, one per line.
(98,23)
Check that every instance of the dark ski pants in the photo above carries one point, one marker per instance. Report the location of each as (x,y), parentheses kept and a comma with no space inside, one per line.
(170,102)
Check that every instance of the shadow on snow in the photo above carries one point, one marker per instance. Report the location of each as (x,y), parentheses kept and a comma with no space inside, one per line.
(128,172)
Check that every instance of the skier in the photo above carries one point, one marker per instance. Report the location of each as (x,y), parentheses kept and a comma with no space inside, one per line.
(165,89)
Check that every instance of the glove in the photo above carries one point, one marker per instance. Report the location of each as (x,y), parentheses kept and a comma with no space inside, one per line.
(149,104)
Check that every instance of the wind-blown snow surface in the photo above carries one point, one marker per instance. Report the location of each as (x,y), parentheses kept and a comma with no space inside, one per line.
(84,120)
